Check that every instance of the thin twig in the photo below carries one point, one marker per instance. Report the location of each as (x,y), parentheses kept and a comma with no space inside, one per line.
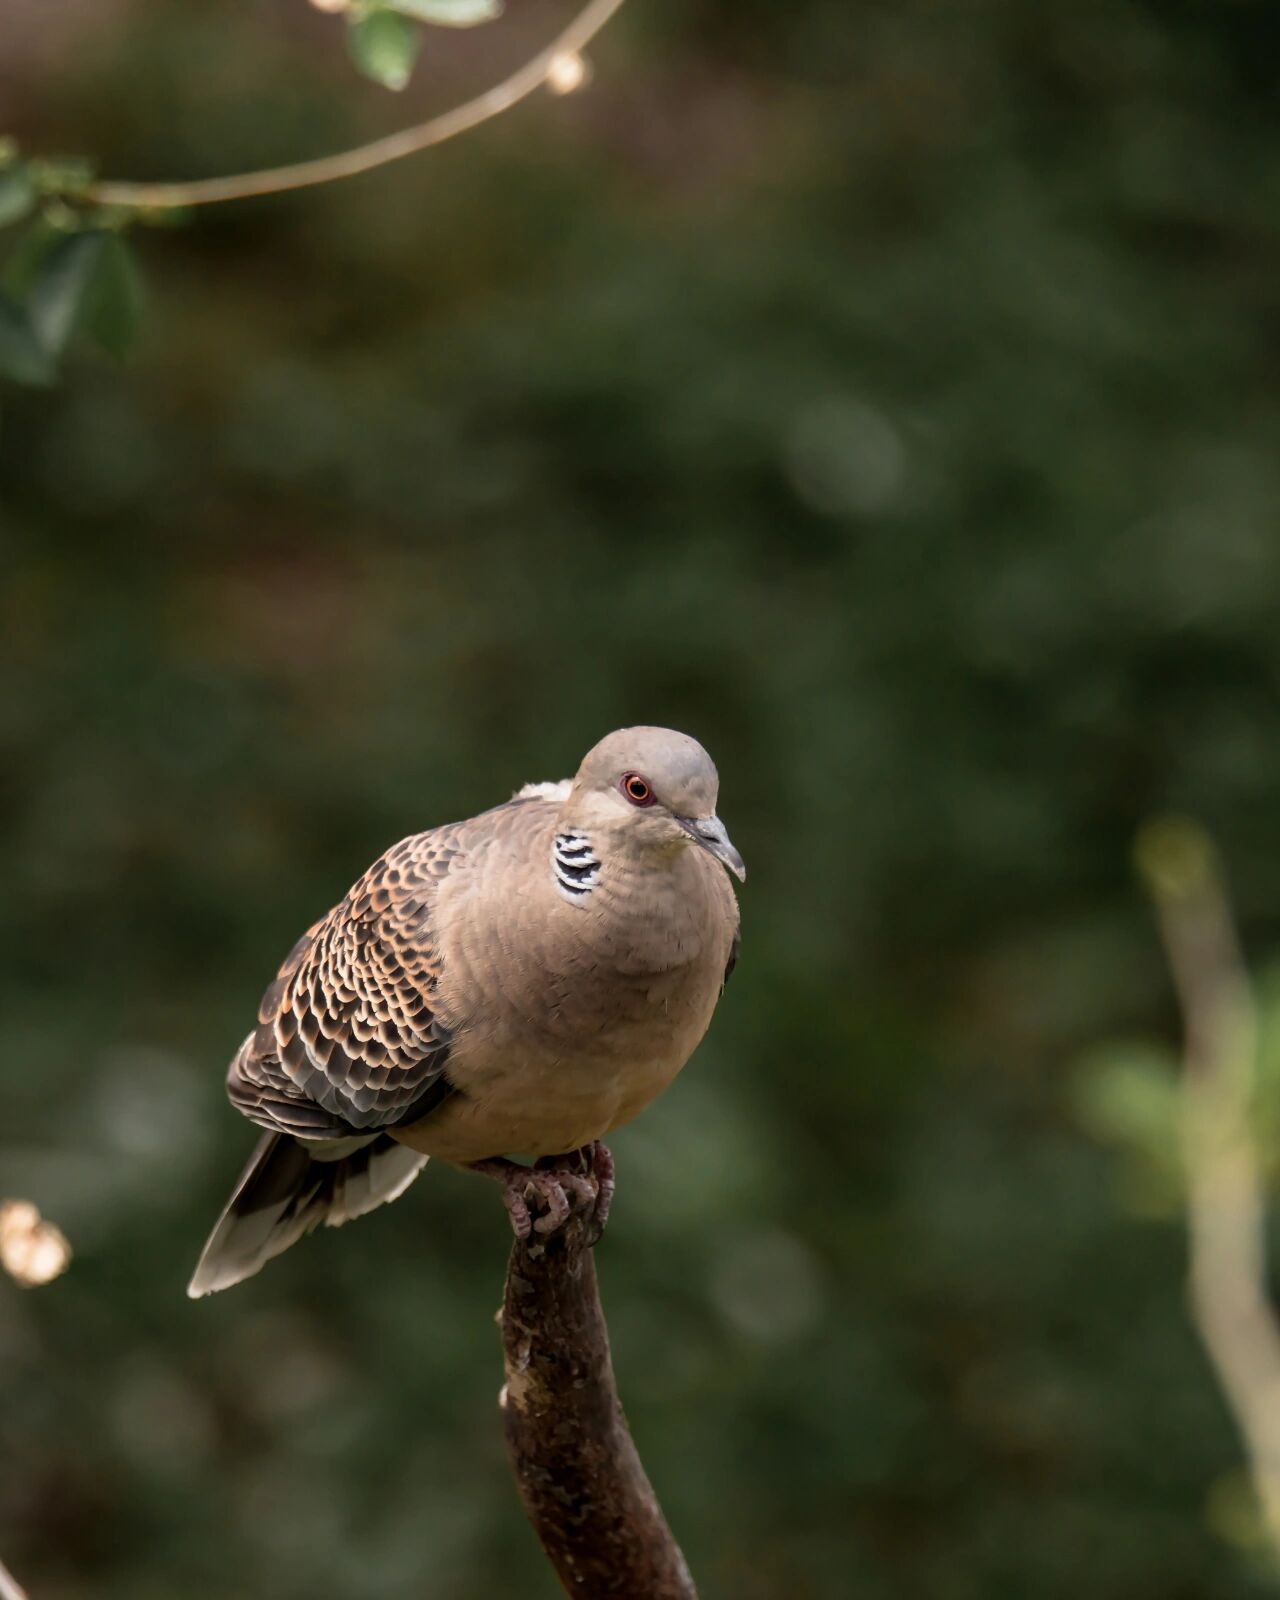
(1226,1205)
(10,1588)
(349,163)
(582,1483)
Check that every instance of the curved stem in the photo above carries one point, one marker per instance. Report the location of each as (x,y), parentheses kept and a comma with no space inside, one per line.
(1226,1190)
(365,157)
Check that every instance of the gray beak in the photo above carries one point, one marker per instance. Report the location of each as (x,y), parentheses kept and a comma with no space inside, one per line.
(711,835)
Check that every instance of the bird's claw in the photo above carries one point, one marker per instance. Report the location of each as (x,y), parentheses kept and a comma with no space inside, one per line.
(560,1191)
(541,1199)
(600,1160)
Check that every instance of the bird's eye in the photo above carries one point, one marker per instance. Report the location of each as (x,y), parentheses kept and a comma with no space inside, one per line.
(637,789)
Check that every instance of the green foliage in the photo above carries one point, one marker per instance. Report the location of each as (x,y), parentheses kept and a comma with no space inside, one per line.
(112,309)
(1237,1518)
(1127,1095)
(23,356)
(890,403)
(62,284)
(17,195)
(70,270)
(58,293)
(384,45)
(385,38)
(1268,1097)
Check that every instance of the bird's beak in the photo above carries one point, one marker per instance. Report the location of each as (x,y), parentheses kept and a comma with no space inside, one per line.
(711,835)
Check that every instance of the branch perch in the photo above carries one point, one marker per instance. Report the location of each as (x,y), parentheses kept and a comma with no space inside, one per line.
(349,163)
(584,1488)
(1226,1202)
(10,1589)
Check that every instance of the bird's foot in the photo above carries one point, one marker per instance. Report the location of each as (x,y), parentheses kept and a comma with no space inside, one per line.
(540,1199)
(600,1159)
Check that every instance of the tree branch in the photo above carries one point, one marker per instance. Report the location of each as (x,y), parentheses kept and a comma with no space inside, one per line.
(582,1483)
(349,163)
(10,1589)
(1226,1205)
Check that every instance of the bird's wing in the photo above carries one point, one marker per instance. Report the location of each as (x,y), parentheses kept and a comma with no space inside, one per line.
(732,962)
(349,1038)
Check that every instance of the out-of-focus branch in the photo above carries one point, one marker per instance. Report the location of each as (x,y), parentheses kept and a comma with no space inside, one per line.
(1226,1210)
(547,64)
(582,1483)
(10,1588)
(32,1250)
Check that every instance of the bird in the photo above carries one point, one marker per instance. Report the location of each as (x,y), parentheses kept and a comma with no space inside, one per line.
(518,985)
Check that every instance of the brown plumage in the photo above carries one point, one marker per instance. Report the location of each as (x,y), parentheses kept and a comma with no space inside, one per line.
(525,981)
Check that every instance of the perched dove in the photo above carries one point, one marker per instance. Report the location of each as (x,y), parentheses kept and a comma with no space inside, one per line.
(521,983)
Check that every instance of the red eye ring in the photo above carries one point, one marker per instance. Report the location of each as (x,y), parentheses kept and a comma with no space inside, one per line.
(637,789)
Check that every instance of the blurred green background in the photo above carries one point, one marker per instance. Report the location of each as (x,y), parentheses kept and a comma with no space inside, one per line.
(887,395)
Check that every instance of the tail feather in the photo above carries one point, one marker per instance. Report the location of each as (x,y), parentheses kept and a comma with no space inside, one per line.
(288,1188)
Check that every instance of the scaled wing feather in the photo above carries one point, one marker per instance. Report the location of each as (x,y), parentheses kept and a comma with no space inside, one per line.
(349,1038)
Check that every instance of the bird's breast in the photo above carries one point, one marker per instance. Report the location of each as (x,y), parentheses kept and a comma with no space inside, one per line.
(566,1023)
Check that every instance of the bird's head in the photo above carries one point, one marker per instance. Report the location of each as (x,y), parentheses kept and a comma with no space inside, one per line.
(653,788)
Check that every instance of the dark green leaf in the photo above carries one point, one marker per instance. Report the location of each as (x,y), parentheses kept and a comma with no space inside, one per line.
(113,304)
(449,13)
(25,255)
(384,45)
(17,195)
(56,298)
(22,357)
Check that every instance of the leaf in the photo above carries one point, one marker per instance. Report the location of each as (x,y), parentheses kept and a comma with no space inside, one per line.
(384,45)
(56,297)
(449,13)
(1128,1095)
(113,304)
(22,357)
(65,283)
(25,255)
(17,195)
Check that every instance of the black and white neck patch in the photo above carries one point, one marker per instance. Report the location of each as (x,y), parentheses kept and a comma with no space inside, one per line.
(574,865)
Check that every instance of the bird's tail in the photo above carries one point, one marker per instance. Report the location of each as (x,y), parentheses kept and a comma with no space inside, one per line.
(289,1186)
